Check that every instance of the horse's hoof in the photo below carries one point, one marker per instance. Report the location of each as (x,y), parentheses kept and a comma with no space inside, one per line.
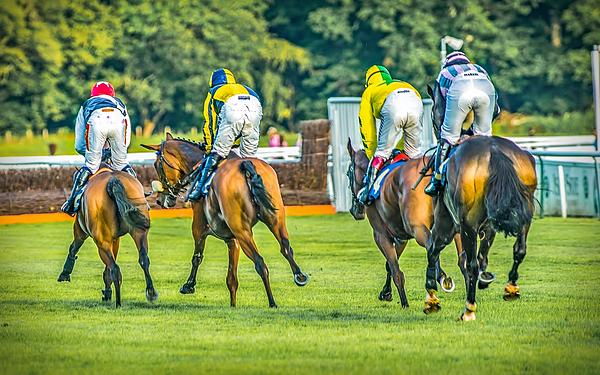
(301,279)
(447,284)
(106,295)
(187,289)
(485,279)
(118,305)
(511,292)
(385,296)
(151,295)
(64,277)
(468,316)
(273,306)
(431,308)
(404,303)
(432,303)
(511,296)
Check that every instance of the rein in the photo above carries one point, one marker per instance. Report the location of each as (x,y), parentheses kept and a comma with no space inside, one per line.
(173,190)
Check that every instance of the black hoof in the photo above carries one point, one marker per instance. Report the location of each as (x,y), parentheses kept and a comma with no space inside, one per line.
(64,277)
(385,296)
(481,285)
(301,279)
(273,306)
(151,295)
(187,289)
(106,295)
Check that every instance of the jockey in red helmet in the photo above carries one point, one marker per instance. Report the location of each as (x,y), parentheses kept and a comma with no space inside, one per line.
(101,118)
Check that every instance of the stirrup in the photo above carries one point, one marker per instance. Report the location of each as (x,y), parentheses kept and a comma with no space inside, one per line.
(434,187)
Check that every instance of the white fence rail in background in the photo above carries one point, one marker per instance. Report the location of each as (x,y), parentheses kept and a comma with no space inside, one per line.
(269,154)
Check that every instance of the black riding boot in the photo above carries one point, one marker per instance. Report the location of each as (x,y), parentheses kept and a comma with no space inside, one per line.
(200,186)
(369,179)
(129,169)
(441,153)
(79,179)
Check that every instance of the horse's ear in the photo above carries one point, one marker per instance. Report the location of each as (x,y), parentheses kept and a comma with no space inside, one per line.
(169,136)
(350,149)
(430,91)
(151,147)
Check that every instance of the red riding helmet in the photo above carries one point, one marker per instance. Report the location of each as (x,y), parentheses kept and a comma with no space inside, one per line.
(102,88)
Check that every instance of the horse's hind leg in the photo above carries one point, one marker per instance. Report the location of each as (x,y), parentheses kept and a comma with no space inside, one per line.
(107,292)
(386,291)
(280,232)
(140,237)
(486,240)
(79,237)
(112,271)
(468,237)
(511,290)
(249,247)
(386,245)
(232,281)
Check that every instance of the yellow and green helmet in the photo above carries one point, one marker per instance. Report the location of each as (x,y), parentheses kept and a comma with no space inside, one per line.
(377,74)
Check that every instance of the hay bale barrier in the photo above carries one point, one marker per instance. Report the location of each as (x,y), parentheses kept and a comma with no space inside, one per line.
(43,190)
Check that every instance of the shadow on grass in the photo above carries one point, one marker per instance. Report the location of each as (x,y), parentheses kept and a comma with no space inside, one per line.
(252,313)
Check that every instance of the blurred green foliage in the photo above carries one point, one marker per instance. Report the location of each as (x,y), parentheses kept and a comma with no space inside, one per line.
(159,54)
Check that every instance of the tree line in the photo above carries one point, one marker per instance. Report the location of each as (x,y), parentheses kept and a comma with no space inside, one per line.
(159,54)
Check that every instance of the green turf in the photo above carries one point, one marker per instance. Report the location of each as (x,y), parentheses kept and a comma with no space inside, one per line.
(333,325)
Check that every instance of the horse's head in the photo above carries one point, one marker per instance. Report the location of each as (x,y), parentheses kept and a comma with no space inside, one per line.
(439,107)
(356,172)
(175,159)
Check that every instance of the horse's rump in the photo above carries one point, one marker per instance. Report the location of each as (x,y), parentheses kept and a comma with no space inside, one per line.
(258,192)
(501,192)
(129,213)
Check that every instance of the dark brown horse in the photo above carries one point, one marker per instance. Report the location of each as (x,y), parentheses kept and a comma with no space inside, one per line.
(401,213)
(490,185)
(112,205)
(242,192)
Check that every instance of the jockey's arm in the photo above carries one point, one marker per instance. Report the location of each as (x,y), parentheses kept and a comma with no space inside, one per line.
(208,121)
(366,120)
(80,146)
(128,130)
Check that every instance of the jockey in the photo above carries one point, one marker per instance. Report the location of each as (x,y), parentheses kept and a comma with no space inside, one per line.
(231,111)
(399,106)
(102,118)
(464,87)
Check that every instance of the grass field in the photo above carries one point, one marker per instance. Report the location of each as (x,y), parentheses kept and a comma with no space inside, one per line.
(336,324)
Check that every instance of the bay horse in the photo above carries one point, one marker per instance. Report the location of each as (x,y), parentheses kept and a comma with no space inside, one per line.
(400,214)
(242,192)
(112,205)
(490,185)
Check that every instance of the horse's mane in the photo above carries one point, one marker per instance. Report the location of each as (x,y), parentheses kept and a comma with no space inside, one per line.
(200,145)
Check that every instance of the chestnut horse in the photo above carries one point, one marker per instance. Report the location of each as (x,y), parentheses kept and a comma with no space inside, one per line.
(490,185)
(401,213)
(112,205)
(242,192)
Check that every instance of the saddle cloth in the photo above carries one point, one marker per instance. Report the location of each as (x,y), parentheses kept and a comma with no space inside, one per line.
(398,160)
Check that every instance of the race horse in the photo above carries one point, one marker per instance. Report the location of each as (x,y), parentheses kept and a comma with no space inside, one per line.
(399,214)
(489,187)
(112,205)
(242,192)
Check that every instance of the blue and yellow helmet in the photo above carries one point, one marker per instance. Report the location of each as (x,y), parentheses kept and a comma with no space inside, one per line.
(220,77)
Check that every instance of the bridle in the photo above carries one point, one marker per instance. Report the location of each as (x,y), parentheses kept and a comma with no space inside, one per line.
(351,180)
(172,190)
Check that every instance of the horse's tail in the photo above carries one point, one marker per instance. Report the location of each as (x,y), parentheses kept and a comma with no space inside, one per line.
(509,202)
(259,194)
(126,211)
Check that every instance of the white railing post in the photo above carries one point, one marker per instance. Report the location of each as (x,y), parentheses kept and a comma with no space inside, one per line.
(563,192)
